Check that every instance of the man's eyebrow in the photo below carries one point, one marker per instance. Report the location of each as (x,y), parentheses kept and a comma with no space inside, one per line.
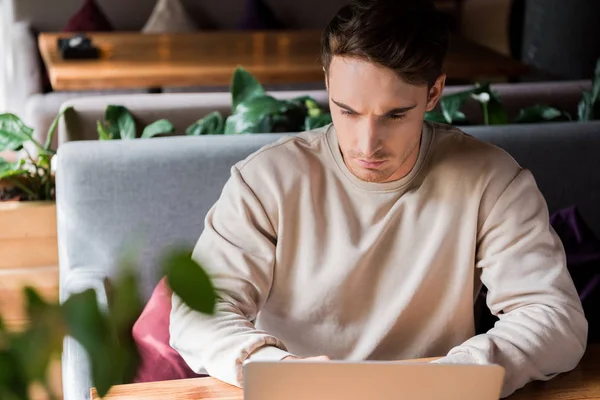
(400,110)
(397,110)
(342,105)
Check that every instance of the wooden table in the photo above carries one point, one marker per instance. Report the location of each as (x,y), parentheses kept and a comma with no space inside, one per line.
(582,383)
(135,60)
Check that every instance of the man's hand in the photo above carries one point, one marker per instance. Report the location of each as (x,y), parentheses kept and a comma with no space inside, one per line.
(318,358)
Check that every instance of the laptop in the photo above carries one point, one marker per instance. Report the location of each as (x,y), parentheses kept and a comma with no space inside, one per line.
(371,380)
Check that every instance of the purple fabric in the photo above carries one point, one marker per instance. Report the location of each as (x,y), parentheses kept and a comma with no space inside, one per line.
(581,245)
(258,16)
(89,18)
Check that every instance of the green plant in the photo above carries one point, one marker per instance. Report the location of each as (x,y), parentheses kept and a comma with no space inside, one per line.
(105,334)
(119,123)
(252,111)
(450,106)
(30,178)
(589,106)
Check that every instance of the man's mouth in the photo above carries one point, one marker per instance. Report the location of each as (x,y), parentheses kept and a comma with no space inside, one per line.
(370,163)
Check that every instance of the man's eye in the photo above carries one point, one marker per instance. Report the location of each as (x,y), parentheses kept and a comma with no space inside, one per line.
(346,112)
(395,117)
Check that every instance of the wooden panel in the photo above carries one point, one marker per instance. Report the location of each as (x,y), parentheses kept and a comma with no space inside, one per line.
(28,234)
(12,306)
(582,383)
(134,60)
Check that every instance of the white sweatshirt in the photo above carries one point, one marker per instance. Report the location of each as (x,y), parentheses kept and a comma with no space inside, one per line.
(310,260)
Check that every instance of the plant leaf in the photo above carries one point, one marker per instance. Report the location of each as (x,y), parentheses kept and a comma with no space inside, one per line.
(596,83)
(42,340)
(450,106)
(244,87)
(250,115)
(121,122)
(124,309)
(13,382)
(541,113)
(585,111)
(212,124)
(491,105)
(9,170)
(314,122)
(435,116)
(90,327)
(13,132)
(52,129)
(103,132)
(158,127)
(189,281)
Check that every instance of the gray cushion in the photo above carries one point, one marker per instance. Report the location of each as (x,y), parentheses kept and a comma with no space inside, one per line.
(160,189)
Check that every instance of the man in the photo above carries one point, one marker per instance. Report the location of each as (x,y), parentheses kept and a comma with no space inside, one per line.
(371,238)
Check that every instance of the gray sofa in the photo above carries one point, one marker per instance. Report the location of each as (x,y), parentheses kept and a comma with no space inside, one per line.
(184,108)
(28,16)
(112,193)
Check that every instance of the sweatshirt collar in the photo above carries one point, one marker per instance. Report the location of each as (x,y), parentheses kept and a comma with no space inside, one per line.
(334,148)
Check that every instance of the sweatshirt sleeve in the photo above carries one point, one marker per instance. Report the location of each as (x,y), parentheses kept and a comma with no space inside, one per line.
(542,330)
(237,249)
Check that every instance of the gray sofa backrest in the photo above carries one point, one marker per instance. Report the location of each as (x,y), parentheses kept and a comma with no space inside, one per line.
(160,189)
(156,192)
(52,15)
(184,108)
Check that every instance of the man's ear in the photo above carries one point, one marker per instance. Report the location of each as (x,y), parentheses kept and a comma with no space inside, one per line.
(436,92)
(326,80)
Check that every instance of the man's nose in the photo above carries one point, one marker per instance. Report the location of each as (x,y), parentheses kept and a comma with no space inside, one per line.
(370,139)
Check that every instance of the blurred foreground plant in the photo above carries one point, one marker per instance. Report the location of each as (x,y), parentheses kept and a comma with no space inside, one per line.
(106,334)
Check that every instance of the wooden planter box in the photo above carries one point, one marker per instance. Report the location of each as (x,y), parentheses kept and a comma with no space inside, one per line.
(28,257)
(28,234)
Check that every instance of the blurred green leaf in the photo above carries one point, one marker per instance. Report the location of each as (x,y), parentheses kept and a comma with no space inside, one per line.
(589,106)
(13,132)
(125,306)
(585,109)
(13,383)
(121,123)
(596,83)
(9,170)
(244,87)
(189,281)
(313,108)
(158,127)
(435,116)
(450,106)
(212,124)
(103,131)
(314,122)
(42,339)
(250,116)
(52,129)
(90,327)
(492,109)
(541,113)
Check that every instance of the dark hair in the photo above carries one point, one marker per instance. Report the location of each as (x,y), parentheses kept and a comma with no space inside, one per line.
(408,36)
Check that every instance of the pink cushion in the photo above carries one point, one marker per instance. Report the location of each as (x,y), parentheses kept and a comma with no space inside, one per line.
(159,361)
(89,18)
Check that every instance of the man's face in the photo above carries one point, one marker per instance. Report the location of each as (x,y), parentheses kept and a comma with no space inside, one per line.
(378,117)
